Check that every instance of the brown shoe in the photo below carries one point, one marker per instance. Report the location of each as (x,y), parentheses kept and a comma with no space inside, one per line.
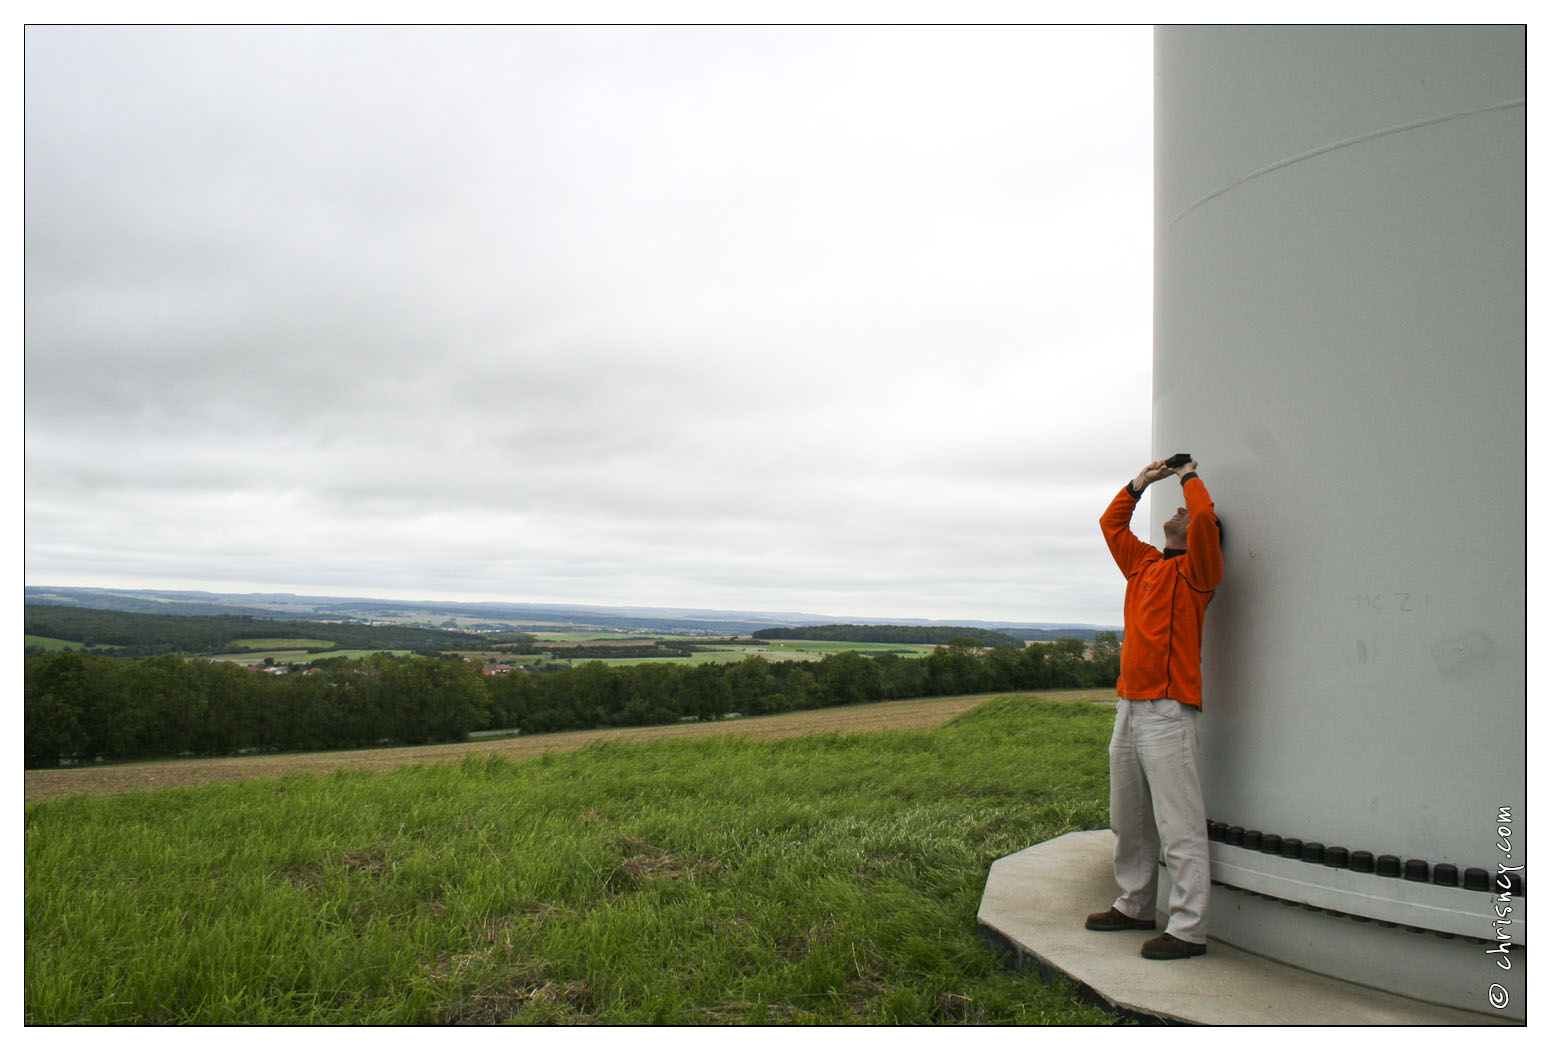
(1167,947)
(1115,920)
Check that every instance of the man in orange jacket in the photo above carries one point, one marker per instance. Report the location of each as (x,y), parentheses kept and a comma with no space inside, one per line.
(1154,782)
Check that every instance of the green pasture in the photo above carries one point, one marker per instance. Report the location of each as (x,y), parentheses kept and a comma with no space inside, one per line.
(52,645)
(830,879)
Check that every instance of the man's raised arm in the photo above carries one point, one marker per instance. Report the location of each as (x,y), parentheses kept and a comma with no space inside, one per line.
(1124,546)
(1203,549)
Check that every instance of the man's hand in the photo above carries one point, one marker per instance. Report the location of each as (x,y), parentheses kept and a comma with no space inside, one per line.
(1184,469)
(1155,471)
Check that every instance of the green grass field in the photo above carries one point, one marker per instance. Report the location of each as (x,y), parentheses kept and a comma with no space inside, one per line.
(49,645)
(822,879)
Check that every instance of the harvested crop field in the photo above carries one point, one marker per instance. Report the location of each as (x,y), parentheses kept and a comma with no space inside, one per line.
(862,718)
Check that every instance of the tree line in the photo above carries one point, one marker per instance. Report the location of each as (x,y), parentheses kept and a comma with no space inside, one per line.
(150,634)
(918,634)
(81,707)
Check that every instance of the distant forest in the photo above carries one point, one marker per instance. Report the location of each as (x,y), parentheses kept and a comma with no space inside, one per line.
(150,634)
(929,635)
(81,707)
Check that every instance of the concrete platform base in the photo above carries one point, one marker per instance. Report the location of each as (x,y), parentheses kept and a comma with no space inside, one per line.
(1033,909)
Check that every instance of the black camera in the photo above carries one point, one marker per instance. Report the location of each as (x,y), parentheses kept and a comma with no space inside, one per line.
(1177,461)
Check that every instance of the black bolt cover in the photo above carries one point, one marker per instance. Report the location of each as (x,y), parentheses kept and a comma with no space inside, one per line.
(1478,879)
(1252,839)
(1314,852)
(1388,865)
(1292,847)
(1271,844)
(1234,837)
(1417,871)
(1446,875)
(1337,857)
(1509,882)
(1362,861)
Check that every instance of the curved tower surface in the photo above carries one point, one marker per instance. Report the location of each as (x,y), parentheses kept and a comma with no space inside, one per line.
(1339,338)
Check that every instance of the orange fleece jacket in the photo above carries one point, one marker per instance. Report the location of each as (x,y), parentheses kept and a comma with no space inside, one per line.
(1166,599)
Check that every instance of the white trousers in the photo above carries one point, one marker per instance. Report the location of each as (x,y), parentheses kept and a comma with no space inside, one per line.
(1155,801)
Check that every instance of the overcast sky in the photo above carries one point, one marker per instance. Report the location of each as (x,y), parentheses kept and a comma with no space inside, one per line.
(853,322)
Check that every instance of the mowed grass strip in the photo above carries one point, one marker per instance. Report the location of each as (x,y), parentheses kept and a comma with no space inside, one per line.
(726,879)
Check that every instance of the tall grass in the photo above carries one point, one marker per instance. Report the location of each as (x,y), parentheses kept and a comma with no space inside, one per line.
(829,879)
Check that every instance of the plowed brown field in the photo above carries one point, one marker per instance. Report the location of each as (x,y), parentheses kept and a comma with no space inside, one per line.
(860,718)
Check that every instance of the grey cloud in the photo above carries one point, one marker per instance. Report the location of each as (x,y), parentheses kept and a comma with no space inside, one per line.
(650,315)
